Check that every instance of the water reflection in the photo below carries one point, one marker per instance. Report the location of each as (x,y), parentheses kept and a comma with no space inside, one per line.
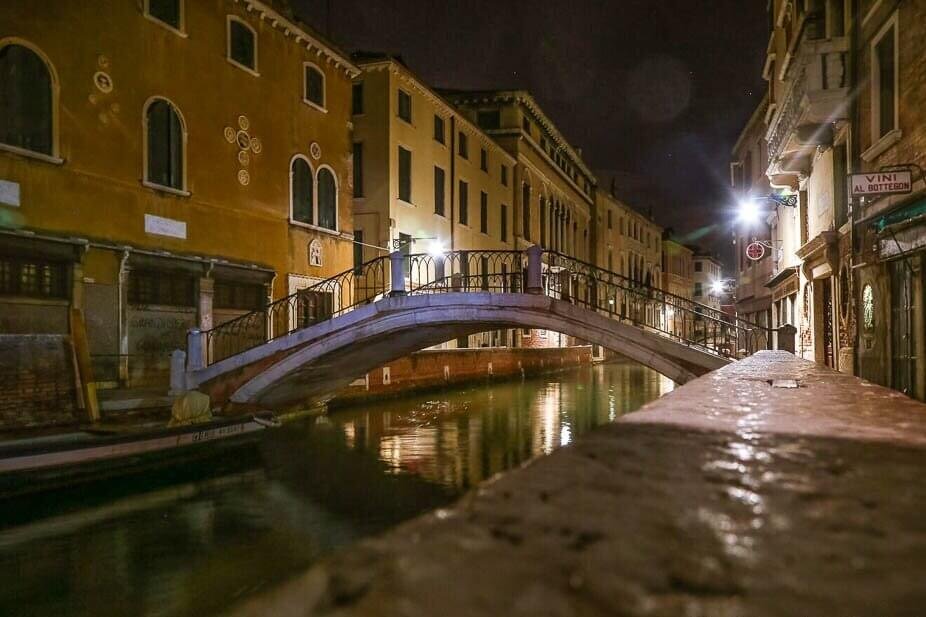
(460,438)
(193,540)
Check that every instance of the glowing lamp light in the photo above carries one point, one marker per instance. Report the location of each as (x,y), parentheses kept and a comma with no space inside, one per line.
(436,249)
(717,287)
(748,212)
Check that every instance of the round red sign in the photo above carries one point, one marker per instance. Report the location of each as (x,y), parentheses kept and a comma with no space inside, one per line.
(755,251)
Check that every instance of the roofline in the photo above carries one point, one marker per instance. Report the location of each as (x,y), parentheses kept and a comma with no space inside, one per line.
(301,35)
(390,62)
(534,107)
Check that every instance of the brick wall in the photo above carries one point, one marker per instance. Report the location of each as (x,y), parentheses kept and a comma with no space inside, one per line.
(429,369)
(36,381)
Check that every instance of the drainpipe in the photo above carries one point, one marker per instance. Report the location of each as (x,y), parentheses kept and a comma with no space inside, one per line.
(453,175)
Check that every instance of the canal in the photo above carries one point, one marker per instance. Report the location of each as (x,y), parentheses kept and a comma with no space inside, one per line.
(196,539)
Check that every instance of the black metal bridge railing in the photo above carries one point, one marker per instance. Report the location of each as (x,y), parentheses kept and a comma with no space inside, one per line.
(533,271)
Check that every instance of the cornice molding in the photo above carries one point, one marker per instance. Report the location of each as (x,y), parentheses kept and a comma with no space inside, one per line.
(446,107)
(302,37)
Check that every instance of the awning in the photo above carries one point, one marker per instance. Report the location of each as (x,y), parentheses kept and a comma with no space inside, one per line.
(910,211)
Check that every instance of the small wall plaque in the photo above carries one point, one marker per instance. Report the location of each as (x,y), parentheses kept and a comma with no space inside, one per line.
(9,193)
(160,226)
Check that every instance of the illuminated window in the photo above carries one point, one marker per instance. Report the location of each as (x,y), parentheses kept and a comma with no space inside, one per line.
(868,307)
(32,278)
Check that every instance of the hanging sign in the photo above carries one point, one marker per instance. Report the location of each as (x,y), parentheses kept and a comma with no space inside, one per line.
(881,183)
(755,251)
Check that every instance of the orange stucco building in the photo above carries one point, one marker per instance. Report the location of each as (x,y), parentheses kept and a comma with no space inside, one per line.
(166,165)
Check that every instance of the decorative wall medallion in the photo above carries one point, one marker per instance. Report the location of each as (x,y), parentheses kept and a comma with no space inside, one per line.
(103,82)
(315,150)
(315,253)
(246,145)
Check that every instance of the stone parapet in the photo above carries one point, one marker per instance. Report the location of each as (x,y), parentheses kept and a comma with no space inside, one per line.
(737,494)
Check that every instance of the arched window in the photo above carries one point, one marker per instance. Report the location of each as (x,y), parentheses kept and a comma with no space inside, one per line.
(301,184)
(242,44)
(26,100)
(164,134)
(314,86)
(327,199)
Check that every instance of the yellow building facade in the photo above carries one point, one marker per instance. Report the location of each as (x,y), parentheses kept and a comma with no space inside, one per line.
(429,178)
(167,168)
(426,179)
(554,189)
(629,242)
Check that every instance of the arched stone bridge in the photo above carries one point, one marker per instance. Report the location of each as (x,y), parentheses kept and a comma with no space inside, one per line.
(325,337)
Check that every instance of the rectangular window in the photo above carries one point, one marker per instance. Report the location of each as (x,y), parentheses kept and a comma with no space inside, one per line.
(489,119)
(405,106)
(238,296)
(886,80)
(464,203)
(438,129)
(314,86)
(358,250)
(610,222)
(697,290)
(405,175)
(439,191)
(526,125)
(162,288)
(405,246)
(463,146)
(483,160)
(358,169)
(27,277)
(483,212)
(242,44)
(504,175)
(503,228)
(356,99)
(166,11)
(699,266)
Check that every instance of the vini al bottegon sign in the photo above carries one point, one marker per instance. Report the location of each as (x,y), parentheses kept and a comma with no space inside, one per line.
(881,183)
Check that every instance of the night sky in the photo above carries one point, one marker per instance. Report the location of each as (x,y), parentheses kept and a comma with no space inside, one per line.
(654,90)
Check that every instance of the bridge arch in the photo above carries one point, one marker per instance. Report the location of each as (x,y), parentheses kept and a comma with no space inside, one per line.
(315,362)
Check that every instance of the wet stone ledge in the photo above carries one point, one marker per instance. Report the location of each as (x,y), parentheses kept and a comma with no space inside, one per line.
(727,497)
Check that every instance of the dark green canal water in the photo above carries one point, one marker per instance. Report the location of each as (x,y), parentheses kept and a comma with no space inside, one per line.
(194,540)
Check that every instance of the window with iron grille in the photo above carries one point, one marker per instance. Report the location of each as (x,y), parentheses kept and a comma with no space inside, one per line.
(238,296)
(32,278)
(162,288)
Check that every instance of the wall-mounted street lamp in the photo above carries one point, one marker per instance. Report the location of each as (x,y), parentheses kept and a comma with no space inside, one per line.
(749,210)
